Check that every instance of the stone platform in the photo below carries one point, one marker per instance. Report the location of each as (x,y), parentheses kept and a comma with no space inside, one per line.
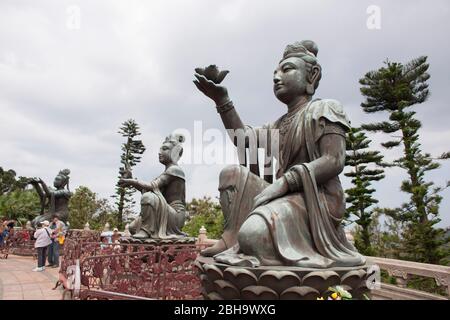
(222,281)
(158,242)
(18,282)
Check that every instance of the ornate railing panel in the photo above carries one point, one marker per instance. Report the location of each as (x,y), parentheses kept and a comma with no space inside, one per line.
(163,272)
(21,242)
(402,271)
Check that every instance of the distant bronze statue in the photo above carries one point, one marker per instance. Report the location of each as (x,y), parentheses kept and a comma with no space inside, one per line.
(53,201)
(296,220)
(163,207)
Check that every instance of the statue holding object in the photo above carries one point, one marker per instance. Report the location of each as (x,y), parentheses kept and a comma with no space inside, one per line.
(296,220)
(54,202)
(163,205)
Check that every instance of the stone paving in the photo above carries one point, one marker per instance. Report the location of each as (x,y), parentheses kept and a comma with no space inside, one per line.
(18,282)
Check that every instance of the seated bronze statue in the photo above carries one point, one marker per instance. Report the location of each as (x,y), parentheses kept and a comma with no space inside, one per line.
(54,202)
(163,207)
(296,220)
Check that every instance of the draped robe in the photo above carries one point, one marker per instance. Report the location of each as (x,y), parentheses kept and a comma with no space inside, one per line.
(304,226)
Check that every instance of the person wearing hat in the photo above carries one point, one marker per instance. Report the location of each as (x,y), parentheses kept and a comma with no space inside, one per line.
(43,240)
(56,228)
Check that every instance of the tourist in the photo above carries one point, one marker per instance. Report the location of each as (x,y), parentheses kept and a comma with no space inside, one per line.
(9,226)
(43,240)
(115,236)
(105,243)
(2,230)
(57,233)
(116,239)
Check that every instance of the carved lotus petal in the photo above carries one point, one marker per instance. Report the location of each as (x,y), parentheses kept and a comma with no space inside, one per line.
(239,277)
(213,272)
(198,264)
(206,284)
(321,280)
(214,296)
(258,293)
(300,293)
(279,280)
(212,73)
(226,289)
(353,278)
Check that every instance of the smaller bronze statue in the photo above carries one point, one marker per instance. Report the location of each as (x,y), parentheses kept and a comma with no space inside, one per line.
(163,206)
(56,201)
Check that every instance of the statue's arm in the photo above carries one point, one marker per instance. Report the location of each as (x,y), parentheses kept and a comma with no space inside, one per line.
(159,183)
(45,188)
(38,188)
(331,162)
(219,94)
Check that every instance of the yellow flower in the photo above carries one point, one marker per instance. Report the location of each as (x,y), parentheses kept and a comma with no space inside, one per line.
(334,295)
(320,298)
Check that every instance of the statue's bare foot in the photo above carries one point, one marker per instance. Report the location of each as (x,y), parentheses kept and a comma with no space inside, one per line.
(141,235)
(218,247)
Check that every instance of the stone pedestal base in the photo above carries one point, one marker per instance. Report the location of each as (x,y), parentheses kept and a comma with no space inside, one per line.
(220,281)
(158,242)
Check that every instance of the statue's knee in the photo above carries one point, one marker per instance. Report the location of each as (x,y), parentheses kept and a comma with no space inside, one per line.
(251,231)
(149,198)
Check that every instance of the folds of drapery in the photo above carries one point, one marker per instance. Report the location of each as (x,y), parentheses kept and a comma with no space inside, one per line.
(159,219)
(302,228)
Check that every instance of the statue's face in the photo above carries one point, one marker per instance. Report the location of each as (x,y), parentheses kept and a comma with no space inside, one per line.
(164,154)
(58,183)
(290,79)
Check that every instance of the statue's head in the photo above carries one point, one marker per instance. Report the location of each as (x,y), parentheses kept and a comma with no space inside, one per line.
(298,73)
(171,149)
(62,179)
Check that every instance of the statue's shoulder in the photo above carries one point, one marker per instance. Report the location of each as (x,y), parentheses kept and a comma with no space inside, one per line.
(324,105)
(330,109)
(62,193)
(175,171)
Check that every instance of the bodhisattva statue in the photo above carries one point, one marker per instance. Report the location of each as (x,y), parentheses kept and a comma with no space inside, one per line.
(55,200)
(296,220)
(163,206)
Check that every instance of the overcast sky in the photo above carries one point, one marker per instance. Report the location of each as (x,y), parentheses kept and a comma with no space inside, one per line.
(66,84)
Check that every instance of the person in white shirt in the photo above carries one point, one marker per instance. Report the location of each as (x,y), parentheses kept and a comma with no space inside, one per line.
(43,240)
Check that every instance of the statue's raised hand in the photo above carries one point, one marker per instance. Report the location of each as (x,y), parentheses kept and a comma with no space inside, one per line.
(208,81)
(34,180)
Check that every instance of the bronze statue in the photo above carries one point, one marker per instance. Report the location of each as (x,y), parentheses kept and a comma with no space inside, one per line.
(56,201)
(296,220)
(163,207)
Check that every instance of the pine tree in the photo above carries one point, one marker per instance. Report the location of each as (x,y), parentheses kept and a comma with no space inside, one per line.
(394,89)
(362,162)
(132,151)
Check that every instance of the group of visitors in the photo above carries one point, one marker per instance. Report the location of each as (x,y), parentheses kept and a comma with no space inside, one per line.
(6,231)
(108,238)
(49,237)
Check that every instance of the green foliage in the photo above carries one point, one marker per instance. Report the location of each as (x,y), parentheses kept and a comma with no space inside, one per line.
(20,205)
(9,183)
(360,198)
(84,206)
(207,213)
(394,89)
(132,151)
